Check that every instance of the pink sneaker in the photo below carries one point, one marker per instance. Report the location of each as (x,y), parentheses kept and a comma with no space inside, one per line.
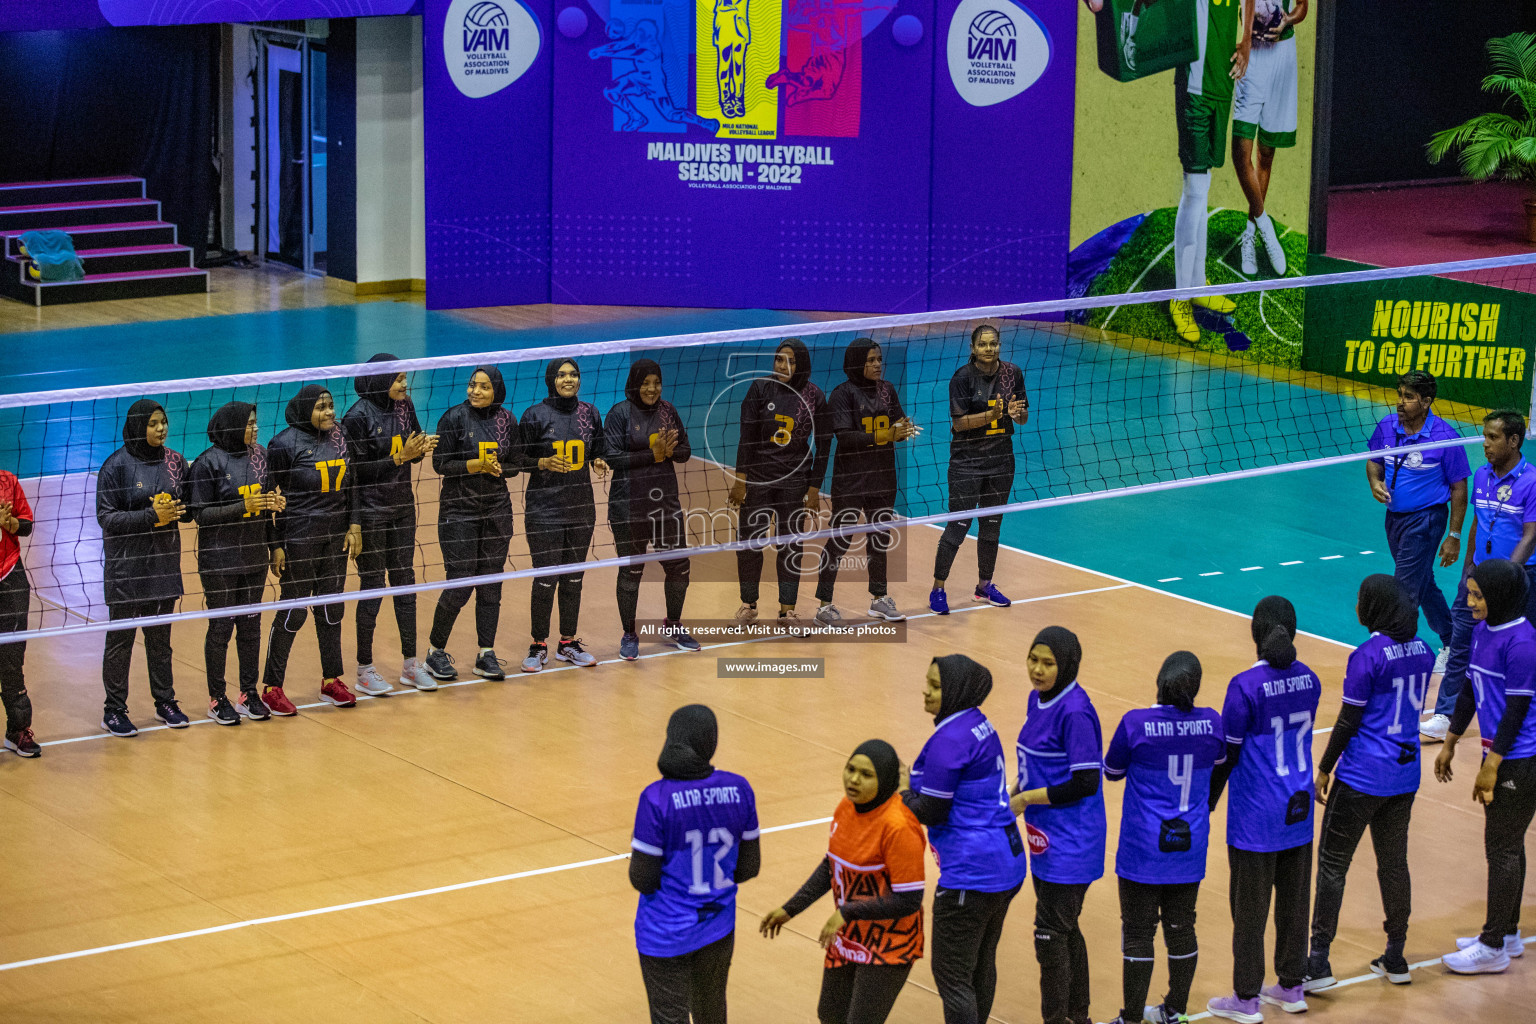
(334,691)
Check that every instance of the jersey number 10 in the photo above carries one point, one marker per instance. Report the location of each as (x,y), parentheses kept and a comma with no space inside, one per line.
(722,840)
(574,452)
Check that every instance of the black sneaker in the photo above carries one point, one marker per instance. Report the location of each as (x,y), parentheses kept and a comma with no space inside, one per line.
(253,707)
(1319,974)
(439,665)
(24,743)
(118,724)
(1393,967)
(223,712)
(487,666)
(169,712)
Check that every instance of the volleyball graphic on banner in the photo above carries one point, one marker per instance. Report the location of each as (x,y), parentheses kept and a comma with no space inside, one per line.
(996,50)
(488,44)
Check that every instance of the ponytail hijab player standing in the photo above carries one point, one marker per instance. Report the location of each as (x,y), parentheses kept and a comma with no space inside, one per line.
(874,869)
(646,442)
(232,504)
(563,441)
(1061,748)
(695,841)
(139,493)
(868,422)
(1165,754)
(384,440)
(1375,747)
(15,600)
(319,528)
(778,475)
(958,787)
(1268,718)
(476,453)
(1503,675)
(986,399)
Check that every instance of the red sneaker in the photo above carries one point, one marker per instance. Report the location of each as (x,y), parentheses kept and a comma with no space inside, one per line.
(277,702)
(334,691)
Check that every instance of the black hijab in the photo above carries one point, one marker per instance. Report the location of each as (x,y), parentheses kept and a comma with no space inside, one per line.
(1384,608)
(227,427)
(374,387)
(302,406)
(638,371)
(498,391)
(887,771)
(554,400)
(1274,630)
(853,362)
(692,733)
(802,374)
(963,684)
(136,426)
(1068,652)
(1503,585)
(1178,681)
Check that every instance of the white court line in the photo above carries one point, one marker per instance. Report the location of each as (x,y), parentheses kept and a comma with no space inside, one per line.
(404,690)
(1296,561)
(1170,579)
(1250,568)
(1329,558)
(1367,552)
(1217,573)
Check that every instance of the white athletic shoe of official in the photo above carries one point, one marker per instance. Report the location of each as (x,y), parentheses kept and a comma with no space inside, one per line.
(1249,251)
(370,682)
(1477,959)
(1272,247)
(1442,660)
(1434,728)
(413,674)
(1514,944)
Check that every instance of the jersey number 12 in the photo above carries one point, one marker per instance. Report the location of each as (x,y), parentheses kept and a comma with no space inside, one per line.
(722,840)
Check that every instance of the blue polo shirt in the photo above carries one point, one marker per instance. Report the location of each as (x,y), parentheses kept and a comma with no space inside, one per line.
(1419,480)
(1503,505)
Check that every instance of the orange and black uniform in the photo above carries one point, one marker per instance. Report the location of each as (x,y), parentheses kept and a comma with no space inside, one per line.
(874,869)
(15,599)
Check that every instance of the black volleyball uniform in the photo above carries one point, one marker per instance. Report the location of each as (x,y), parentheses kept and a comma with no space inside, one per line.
(863,475)
(232,544)
(558,507)
(644,507)
(981,462)
(474,512)
(780,423)
(376,427)
(142,561)
(314,473)
(15,602)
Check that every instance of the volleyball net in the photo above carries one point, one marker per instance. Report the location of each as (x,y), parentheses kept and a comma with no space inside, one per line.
(1117,402)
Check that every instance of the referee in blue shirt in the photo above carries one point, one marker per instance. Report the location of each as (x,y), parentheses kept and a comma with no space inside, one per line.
(1503,526)
(1421,490)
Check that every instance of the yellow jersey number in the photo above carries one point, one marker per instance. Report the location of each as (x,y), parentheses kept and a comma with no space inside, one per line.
(324,469)
(249,489)
(786,431)
(997,426)
(396,445)
(574,452)
(872,424)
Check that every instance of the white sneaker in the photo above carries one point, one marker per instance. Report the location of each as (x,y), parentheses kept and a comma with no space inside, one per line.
(1250,255)
(828,615)
(1128,24)
(1271,244)
(1477,959)
(370,682)
(1434,728)
(1514,945)
(1442,660)
(413,674)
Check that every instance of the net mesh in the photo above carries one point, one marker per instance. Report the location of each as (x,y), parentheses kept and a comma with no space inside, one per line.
(1108,410)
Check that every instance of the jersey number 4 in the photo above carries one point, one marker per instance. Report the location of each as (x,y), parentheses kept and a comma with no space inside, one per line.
(722,840)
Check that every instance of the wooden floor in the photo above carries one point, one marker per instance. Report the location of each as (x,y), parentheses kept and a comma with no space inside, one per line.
(109,841)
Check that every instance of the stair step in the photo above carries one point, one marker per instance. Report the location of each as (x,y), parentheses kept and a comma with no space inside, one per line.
(63,216)
(104,236)
(18,193)
(95,287)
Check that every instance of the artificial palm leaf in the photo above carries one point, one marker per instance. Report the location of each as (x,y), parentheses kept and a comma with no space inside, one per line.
(1499,145)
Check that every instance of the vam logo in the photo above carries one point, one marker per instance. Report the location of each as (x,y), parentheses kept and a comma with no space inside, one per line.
(488,45)
(996,50)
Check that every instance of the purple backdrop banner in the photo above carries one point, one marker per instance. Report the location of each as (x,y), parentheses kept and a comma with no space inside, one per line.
(32,15)
(1002,151)
(486,77)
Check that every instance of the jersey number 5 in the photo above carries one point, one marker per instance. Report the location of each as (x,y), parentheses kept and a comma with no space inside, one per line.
(722,840)
(324,469)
